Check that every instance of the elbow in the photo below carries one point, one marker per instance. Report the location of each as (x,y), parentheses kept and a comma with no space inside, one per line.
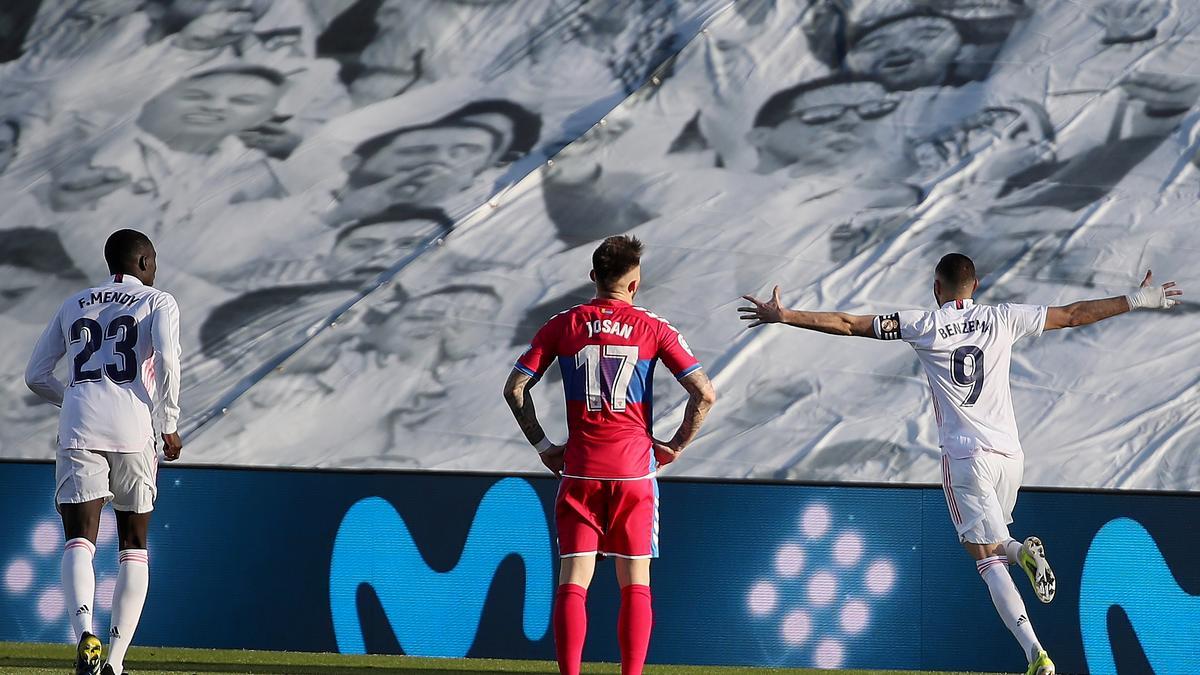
(34,380)
(513,396)
(708,396)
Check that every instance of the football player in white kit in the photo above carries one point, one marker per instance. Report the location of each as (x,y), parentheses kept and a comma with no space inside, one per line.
(121,340)
(965,350)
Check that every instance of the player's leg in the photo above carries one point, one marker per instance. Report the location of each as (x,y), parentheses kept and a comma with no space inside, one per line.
(1031,554)
(81,489)
(982,526)
(575,515)
(133,484)
(632,540)
(636,618)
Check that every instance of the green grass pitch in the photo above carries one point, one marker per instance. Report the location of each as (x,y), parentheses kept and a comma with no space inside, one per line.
(40,658)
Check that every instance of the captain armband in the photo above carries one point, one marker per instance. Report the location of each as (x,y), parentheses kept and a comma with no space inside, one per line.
(887,326)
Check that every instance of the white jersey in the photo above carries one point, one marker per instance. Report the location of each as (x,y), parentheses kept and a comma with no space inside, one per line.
(966,350)
(122,345)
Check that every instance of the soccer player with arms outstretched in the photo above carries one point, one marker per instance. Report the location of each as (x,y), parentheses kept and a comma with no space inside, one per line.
(607,502)
(965,350)
(122,343)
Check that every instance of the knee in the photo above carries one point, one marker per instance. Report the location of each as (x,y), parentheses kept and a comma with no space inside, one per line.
(987,565)
(132,530)
(133,540)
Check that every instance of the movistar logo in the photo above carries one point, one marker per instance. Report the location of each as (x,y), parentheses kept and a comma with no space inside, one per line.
(432,613)
(1124,568)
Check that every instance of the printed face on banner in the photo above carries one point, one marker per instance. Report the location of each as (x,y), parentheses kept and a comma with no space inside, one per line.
(438,328)
(907,54)
(835,126)
(368,250)
(424,165)
(211,107)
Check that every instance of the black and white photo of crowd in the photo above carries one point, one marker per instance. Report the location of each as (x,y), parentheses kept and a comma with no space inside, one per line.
(366,207)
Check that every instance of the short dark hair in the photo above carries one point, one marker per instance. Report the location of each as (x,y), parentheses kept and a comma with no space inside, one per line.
(262,72)
(396,213)
(369,147)
(233,330)
(861,30)
(39,250)
(779,107)
(123,248)
(956,270)
(615,257)
(527,125)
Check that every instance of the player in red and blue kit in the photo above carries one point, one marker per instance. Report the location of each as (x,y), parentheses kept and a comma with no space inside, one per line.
(607,502)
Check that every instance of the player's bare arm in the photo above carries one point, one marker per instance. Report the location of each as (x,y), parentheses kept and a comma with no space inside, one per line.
(516,393)
(833,323)
(701,397)
(1087,312)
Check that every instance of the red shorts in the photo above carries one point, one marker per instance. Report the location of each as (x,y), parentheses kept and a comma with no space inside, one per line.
(612,517)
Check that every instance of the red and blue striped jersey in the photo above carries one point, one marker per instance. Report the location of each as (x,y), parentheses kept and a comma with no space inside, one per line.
(607,350)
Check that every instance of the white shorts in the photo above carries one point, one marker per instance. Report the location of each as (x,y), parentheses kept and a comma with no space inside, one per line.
(127,479)
(981,492)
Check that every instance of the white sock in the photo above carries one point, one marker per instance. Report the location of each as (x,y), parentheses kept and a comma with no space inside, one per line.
(1012,549)
(129,596)
(1008,603)
(79,584)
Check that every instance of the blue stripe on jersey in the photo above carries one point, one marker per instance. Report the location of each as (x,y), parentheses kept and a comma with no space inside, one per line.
(641,384)
(521,367)
(688,371)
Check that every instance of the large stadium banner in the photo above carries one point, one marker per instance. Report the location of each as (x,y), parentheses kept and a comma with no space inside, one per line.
(367,207)
(780,575)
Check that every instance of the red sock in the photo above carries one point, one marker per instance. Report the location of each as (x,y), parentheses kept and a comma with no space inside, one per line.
(633,627)
(570,627)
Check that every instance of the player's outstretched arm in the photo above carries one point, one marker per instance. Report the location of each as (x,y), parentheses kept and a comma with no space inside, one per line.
(701,397)
(39,374)
(834,323)
(1086,312)
(520,402)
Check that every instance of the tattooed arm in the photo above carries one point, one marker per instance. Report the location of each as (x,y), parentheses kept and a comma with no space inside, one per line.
(516,393)
(701,397)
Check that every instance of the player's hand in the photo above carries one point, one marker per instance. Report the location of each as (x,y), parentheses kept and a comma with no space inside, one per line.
(665,453)
(1154,297)
(273,138)
(1167,92)
(79,187)
(554,458)
(172,445)
(763,312)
